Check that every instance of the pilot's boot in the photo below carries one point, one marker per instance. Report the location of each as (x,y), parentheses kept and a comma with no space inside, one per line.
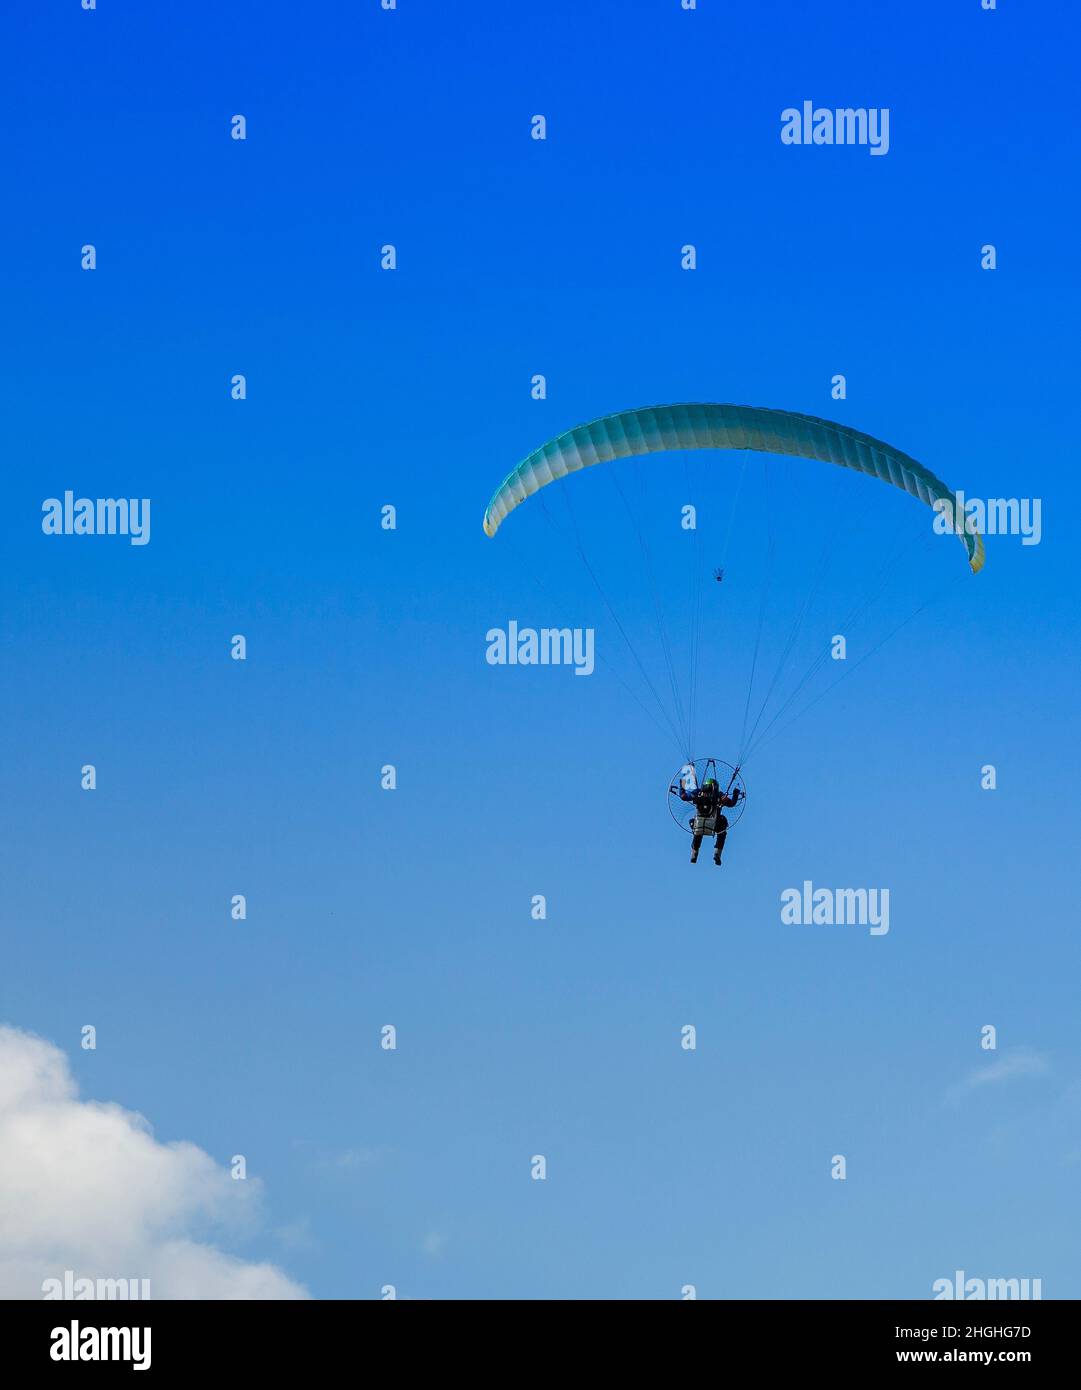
(696,845)
(720,845)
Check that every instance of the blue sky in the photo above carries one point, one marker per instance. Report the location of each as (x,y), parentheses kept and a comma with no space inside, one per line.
(366,647)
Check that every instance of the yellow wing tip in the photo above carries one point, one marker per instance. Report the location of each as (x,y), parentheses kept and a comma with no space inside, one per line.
(979,557)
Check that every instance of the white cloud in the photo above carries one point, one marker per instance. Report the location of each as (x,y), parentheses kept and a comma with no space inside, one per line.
(1021,1061)
(85,1186)
(350,1158)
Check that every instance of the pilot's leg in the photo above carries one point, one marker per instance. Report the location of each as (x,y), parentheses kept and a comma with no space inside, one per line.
(722,835)
(696,844)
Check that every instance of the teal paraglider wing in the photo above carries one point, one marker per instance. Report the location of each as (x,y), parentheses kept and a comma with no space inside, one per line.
(702,425)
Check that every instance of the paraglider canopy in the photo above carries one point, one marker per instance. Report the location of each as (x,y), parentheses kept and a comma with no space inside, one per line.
(780,672)
(658,429)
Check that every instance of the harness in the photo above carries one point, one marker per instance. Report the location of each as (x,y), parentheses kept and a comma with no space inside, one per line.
(705,818)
